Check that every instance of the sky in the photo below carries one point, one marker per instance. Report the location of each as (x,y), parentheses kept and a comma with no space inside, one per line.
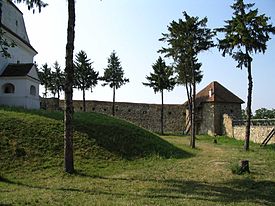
(132,28)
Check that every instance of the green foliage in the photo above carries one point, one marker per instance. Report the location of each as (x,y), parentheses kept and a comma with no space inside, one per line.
(186,39)
(45,76)
(85,76)
(57,80)
(114,74)
(32,4)
(246,33)
(264,113)
(162,78)
(5,45)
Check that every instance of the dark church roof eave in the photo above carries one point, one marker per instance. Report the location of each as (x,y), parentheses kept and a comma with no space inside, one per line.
(17,70)
(18,37)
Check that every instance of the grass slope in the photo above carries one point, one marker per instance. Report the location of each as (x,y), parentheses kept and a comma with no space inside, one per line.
(33,175)
(39,135)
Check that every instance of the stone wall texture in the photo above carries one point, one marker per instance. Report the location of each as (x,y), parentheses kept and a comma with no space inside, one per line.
(231,109)
(210,118)
(257,133)
(205,124)
(143,115)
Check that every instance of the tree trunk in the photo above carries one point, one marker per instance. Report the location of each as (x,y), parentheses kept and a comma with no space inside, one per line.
(114,100)
(193,116)
(161,114)
(58,98)
(189,98)
(84,100)
(244,167)
(248,107)
(69,77)
(193,109)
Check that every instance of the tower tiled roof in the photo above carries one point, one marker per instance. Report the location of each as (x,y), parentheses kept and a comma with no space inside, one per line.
(215,92)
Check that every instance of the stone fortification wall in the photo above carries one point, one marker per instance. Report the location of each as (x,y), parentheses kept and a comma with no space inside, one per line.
(231,109)
(257,133)
(206,123)
(259,129)
(210,116)
(143,115)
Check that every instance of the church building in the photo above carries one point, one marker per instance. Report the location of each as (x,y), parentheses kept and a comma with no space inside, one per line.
(19,81)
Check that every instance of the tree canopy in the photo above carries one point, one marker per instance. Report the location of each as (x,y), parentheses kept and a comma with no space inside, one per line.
(186,39)
(85,76)
(114,76)
(162,79)
(246,33)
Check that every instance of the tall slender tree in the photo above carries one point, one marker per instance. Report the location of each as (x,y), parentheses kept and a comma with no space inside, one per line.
(245,34)
(85,76)
(68,85)
(162,79)
(114,76)
(45,76)
(185,77)
(186,39)
(57,80)
(68,90)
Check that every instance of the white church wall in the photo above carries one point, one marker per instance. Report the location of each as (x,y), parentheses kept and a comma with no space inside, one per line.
(22,96)
(33,73)
(13,19)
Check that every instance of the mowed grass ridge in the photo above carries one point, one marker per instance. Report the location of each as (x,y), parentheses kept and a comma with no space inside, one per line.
(36,135)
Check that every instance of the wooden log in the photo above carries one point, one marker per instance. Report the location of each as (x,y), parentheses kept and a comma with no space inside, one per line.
(244,166)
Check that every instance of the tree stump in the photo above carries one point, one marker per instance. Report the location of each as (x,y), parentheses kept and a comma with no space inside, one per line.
(244,167)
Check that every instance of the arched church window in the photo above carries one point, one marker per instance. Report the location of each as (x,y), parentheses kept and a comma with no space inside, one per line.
(8,88)
(32,90)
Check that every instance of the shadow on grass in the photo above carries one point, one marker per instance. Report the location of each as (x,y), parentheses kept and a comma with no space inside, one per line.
(235,191)
(270,146)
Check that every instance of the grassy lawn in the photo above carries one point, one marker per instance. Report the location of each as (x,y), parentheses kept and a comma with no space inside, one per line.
(193,177)
(204,179)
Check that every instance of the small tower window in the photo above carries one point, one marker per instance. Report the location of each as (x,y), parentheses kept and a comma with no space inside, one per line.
(8,88)
(32,90)
(16,23)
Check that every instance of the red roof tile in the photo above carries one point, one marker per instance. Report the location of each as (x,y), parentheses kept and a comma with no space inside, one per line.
(215,92)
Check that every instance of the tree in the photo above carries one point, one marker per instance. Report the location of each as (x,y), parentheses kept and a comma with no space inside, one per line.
(245,34)
(5,44)
(45,76)
(85,76)
(113,76)
(32,4)
(68,84)
(162,79)
(57,80)
(186,39)
(264,113)
(68,90)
